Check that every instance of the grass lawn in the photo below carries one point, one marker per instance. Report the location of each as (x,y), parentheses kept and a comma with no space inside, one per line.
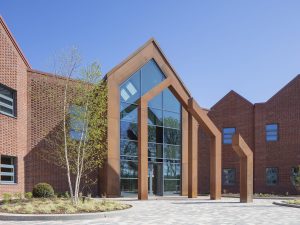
(59,206)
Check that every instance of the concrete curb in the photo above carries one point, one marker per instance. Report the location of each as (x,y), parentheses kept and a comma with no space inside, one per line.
(53,217)
(286,204)
(270,198)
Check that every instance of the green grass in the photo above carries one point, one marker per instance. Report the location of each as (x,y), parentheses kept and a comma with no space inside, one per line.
(294,202)
(59,206)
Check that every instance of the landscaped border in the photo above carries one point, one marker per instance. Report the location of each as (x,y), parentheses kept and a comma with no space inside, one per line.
(49,217)
(286,204)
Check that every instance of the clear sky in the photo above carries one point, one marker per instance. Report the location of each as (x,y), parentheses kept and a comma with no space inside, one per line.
(252,47)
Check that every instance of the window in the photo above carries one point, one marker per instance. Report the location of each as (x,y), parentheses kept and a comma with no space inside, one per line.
(8,170)
(272,175)
(229,176)
(272,132)
(227,135)
(7,101)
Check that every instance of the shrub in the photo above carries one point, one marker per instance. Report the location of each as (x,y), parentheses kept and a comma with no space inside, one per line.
(28,195)
(7,197)
(43,190)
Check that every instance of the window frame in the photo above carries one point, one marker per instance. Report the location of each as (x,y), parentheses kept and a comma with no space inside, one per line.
(13,166)
(268,131)
(14,101)
(223,134)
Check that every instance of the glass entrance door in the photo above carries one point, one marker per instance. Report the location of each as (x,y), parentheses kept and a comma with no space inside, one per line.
(155,179)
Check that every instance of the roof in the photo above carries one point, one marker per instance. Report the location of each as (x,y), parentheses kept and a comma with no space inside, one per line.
(14,42)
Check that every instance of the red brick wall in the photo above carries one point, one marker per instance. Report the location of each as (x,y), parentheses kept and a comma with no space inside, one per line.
(13,131)
(284,109)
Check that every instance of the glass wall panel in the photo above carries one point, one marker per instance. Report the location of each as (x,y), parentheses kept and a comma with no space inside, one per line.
(155,150)
(172,120)
(129,169)
(171,170)
(128,130)
(129,185)
(155,134)
(130,90)
(156,102)
(129,112)
(155,117)
(172,136)
(128,148)
(170,103)
(172,186)
(172,151)
(151,76)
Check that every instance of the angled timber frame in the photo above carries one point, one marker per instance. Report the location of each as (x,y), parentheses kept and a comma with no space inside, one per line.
(192,115)
(246,168)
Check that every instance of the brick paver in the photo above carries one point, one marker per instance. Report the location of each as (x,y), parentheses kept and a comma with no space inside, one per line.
(194,211)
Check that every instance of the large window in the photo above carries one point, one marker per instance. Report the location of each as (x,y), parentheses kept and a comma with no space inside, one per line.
(164,133)
(272,176)
(227,135)
(8,170)
(7,101)
(229,176)
(272,132)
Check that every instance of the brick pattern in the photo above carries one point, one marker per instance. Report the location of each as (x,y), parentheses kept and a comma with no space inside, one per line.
(13,131)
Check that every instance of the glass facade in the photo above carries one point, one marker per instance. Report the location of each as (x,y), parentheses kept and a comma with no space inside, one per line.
(164,133)
(228,134)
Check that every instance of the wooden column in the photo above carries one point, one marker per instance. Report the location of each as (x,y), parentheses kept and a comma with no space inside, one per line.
(246,168)
(192,157)
(142,150)
(215,167)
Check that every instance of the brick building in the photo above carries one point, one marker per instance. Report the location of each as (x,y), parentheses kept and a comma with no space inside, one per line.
(176,156)
(272,131)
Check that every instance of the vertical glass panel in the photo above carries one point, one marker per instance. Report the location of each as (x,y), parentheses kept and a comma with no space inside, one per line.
(172,186)
(156,102)
(155,150)
(129,112)
(172,136)
(151,76)
(228,176)
(171,170)
(172,152)
(128,130)
(130,90)
(129,169)
(272,176)
(129,185)
(155,117)
(128,148)
(155,134)
(172,119)
(170,103)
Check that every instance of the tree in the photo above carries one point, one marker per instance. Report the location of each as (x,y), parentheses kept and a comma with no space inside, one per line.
(78,143)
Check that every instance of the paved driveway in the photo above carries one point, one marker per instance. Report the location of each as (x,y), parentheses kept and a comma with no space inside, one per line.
(195,211)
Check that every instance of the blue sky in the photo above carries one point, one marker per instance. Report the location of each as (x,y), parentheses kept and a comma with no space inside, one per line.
(252,47)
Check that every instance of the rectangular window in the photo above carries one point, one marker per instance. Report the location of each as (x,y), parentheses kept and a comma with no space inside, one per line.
(229,176)
(8,170)
(7,101)
(272,132)
(272,176)
(227,135)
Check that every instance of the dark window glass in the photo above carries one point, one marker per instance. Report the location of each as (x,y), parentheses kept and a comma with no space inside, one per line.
(8,171)
(129,112)
(271,132)
(172,136)
(129,185)
(155,150)
(151,76)
(155,134)
(172,170)
(172,186)
(7,101)
(228,176)
(172,151)
(129,169)
(130,90)
(128,130)
(128,148)
(170,102)
(272,176)
(156,102)
(155,117)
(172,119)
(227,135)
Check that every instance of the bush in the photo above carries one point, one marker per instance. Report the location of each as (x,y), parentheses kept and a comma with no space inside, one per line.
(7,197)
(43,190)
(28,195)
